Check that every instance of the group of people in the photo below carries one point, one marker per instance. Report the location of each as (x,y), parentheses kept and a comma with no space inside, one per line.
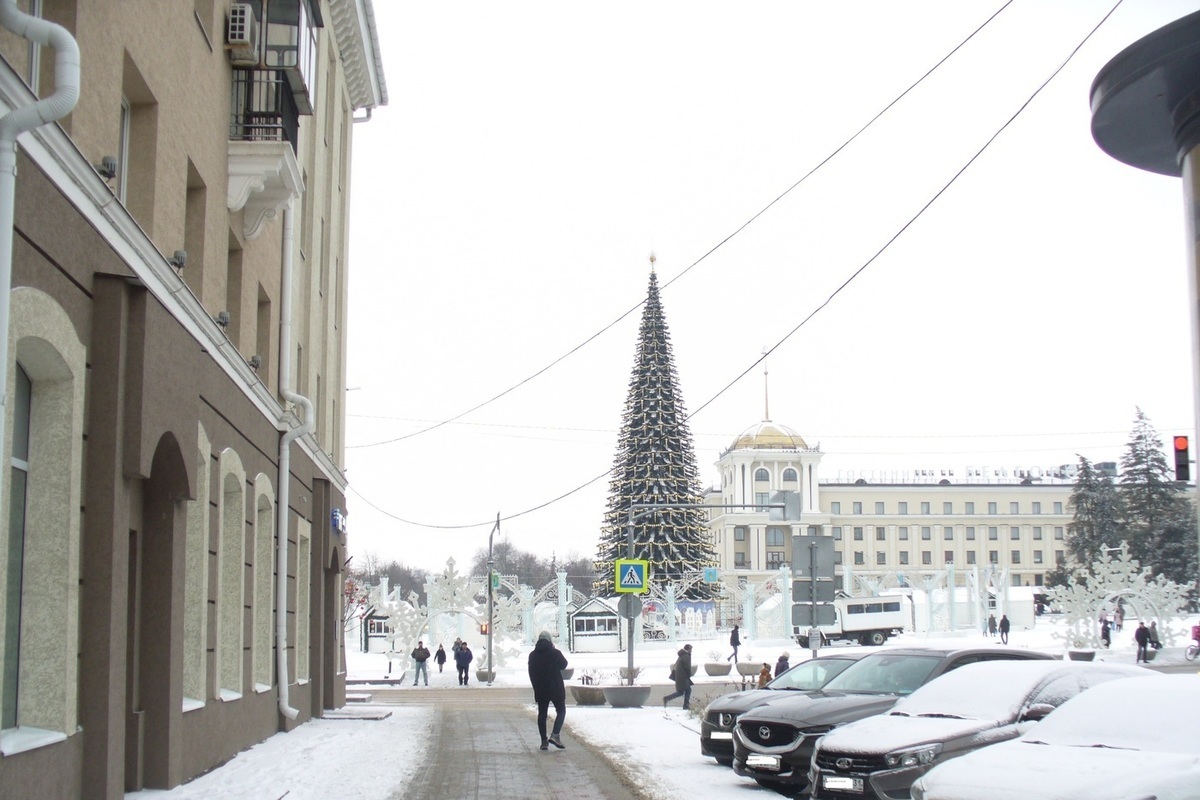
(1001,627)
(462,659)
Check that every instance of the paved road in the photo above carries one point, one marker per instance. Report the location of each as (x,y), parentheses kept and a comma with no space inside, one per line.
(484,744)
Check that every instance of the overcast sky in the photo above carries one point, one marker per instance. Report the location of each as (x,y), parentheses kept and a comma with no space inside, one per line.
(533,155)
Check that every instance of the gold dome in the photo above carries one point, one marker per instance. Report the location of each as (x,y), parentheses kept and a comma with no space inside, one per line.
(767,435)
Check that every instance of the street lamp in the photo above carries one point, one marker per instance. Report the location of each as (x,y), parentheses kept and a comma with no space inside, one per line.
(490,562)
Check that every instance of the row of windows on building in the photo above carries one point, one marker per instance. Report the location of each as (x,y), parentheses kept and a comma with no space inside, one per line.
(993,507)
(776,536)
(776,559)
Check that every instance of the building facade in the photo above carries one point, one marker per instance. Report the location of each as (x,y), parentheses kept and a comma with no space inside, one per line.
(889,530)
(170,562)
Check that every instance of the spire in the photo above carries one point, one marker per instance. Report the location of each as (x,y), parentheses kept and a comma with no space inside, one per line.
(652,261)
(766,390)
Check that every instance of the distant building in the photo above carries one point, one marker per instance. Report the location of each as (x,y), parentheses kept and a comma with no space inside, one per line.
(906,524)
(176,325)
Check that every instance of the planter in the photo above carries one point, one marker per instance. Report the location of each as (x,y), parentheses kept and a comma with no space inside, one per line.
(588,695)
(749,668)
(625,673)
(718,668)
(568,673)
(485,676)
(626,696)
(1081,655)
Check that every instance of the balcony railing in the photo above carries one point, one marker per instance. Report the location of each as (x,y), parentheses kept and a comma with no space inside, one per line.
(262,107)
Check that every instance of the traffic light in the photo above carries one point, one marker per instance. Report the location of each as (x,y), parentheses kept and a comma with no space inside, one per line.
(1182,462)
(483,629)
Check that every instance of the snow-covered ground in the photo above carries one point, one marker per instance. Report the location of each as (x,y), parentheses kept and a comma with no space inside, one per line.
(363,760)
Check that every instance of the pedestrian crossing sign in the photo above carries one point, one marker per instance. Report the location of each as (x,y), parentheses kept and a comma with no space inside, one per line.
(631,575)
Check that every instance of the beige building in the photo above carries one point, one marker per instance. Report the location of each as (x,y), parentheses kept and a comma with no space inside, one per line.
(170,562)
(891,529)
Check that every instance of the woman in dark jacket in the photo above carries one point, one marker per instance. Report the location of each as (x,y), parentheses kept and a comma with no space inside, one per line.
(782,665)
(683,678)
(546,664)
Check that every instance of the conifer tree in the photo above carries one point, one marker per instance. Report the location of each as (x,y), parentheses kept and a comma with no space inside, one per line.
(655,462)
(1096,508)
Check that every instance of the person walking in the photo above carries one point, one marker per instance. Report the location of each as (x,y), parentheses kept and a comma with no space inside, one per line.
(735,641)
(782,665)
(681,671)
(764,676)
(1155,642)
(546,664)
(1119,618)
(462,659)
(440,657)
(1004,629)
(1142,637)
(420,654)
(991,624)
(1105,633)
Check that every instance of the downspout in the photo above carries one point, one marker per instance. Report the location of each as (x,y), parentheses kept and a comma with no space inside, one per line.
(285,458)
(12,125)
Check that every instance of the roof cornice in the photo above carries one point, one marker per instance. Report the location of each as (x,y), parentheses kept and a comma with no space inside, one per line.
(358,43)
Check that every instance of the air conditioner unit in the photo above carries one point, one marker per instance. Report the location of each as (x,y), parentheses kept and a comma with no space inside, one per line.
(241,34)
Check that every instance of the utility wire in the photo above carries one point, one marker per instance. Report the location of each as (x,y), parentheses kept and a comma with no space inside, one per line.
(920,212)
(695,263)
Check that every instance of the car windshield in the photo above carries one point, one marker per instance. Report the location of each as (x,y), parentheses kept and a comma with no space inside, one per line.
(889,673)
(811,675)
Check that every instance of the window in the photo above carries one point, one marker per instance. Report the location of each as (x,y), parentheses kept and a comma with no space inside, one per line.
(971,533)
(1016,557)
(837,533)
(19,472)
(1037,508)
(774,537)
(837,556)
(904,558)
(303,601)
(903,533)
(858,558)
(902,507)
(992,507)
(927,557)
(948,533)
(739,560)
(230,566)
(926,533)
(970,556)
(739,533)
(880,533)
(948,557)
(994,556)
(880,559)
(1058,532)
(924,506)
(775,559)
(947,508)
(195,583)
(789,475)
(1014,508)
(970,508)
(879,507)
(262,591)
(761,475)
(835,507)
(1058,507)
(1037,556)
(1037,533)
(857,507)
(1014,533)
(1058,556)
(761,499)
(858,534)
(993,533)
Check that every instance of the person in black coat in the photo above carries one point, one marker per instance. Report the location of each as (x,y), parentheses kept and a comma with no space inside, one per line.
(440,657)
(1004,626)
(546,664)
(782,665)
(735,641)
(462,659)
(683,678)
(1142,637)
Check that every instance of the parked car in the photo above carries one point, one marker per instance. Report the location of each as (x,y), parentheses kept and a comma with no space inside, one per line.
(878,758)
(774,743)
(1125,739)
(716,727)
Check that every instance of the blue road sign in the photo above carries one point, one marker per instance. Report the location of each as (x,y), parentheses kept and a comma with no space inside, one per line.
(631,575)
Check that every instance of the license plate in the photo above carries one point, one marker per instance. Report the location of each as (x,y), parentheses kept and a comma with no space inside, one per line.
(721,735)
(838,783)
(763,762)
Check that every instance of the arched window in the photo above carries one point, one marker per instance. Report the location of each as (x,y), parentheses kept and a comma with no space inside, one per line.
(789,475)
(15,555)
(761,474)
(264,562)
(231,510)
(195,583)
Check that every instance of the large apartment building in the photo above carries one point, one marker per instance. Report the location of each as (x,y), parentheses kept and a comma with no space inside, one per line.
(172,546)
(886,527)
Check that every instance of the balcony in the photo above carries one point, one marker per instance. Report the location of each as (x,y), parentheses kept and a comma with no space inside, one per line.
(263,122)
(263,107)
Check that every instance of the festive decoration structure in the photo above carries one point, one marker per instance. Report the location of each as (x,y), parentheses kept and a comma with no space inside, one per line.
(656,463)
(1112,581)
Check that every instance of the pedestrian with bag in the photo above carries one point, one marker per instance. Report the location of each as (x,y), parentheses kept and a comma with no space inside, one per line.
(681,673)
(420,654)
(546,664)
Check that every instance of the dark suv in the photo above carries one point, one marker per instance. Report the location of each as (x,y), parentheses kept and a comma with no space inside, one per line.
(716,727)
(774,743)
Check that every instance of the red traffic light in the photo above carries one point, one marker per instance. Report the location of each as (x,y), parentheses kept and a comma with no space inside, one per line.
(1181,443)
(1183,468)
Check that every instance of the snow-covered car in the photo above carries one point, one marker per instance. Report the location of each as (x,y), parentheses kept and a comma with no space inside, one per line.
(1124,739)
(773,744)
(716,726)
(878,758)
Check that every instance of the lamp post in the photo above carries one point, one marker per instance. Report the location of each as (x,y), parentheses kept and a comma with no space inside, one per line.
(491,571)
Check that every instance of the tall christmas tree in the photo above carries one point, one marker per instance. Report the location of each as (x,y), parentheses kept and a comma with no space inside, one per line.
(655,463)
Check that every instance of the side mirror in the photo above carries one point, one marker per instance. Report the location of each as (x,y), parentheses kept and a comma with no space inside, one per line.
(1036,712)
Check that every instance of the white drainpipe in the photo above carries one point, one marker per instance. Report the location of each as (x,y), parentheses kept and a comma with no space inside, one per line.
(285,457)
(12,125)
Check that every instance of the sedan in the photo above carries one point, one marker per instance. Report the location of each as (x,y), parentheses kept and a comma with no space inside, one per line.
(981,704)
(716,727)
(773,744)
(1124,740)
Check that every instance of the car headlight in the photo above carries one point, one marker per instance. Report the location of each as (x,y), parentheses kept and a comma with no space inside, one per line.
(916,757)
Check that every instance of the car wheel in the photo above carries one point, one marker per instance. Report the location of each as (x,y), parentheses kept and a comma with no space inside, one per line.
(874,638)
(802,641)
(725,762)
